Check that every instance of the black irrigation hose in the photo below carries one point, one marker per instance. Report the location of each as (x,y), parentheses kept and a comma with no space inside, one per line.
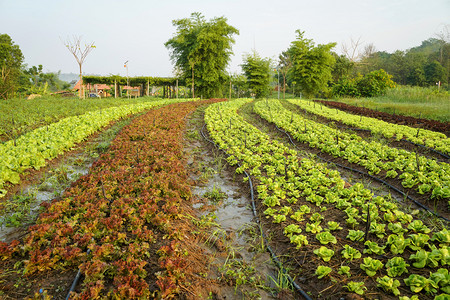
(75,281)
(272,253)
(374,178)
(428,148)
(78,276)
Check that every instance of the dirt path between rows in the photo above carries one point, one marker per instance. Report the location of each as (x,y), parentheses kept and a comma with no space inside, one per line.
(240,261)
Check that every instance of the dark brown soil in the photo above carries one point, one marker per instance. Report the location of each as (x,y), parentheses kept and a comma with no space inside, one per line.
(391,118)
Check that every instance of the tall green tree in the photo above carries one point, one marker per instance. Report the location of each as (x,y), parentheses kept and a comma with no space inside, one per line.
(11,59)
(201,51)
(257,71)
(311,65)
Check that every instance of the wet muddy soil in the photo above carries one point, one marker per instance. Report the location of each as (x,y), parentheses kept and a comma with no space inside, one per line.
(240,262)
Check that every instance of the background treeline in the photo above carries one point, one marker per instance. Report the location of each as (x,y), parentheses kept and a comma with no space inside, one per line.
(424,65)
(303,69)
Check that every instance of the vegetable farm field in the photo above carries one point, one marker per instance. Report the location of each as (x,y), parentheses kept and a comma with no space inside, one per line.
(223,199)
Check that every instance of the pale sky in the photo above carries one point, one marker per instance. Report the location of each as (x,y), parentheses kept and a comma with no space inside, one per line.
(136,30)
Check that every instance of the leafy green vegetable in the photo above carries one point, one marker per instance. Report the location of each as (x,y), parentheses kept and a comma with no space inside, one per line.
(371,266)
(313,228)
(389,284)
(396,228)
(356,287)
(299,240)
(350,253)
(332,226)
(324,253)
(326,237)
(322,271)
(397,243)
(442,278)
(443,237)
(396,266)
(418,283)
(420,258)
(418,226)
(355,235)
(417,241)
(373,248)
(316,217)
(291,229)
(345,270)
(378,229)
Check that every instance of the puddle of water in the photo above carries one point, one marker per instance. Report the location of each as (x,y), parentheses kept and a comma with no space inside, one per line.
(233,216)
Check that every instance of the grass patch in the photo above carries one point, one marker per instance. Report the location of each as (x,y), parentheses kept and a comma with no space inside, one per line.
(409,101)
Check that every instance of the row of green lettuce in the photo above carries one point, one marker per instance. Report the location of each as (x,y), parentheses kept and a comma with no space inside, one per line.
(324,219)
(431,139)
(425,175)
(35,148)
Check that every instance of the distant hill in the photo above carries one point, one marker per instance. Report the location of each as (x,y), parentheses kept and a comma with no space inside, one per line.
(71,77)
(68,77)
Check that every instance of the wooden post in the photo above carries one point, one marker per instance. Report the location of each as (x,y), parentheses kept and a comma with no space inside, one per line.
(115,88)
(177,88)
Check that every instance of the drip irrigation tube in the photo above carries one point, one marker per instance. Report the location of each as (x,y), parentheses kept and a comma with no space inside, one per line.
(75,281)
(374,178)
(428,148)
(272,253)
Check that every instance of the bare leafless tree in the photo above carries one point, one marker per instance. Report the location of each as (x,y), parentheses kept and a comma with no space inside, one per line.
(352,51)
(369,50)
(80,54)
(444,38)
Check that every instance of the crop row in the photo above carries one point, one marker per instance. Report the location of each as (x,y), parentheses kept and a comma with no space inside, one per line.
(339,238)
(20,116)
(126,211)
(32,149)
(415,171)
(431,139)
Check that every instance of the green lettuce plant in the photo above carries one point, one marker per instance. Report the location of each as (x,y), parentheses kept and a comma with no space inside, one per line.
(371,266)
(418,226)
(291,229)
(397,243)
(326,237)
(313,228)
(420,258)
(299,240)
(322,271)
(356,287)
(325,253)
(345,270)
(333,226)
(350,253)
(355,235)
(396,266)
(373,248)
(316,217)
(442,237)
(442,278)
(417,241)
(389,284)
(417,283)
(396,228)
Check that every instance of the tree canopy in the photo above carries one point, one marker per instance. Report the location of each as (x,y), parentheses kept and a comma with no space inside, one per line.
(201,50)
(311,65)
(11,59)
(257,71)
